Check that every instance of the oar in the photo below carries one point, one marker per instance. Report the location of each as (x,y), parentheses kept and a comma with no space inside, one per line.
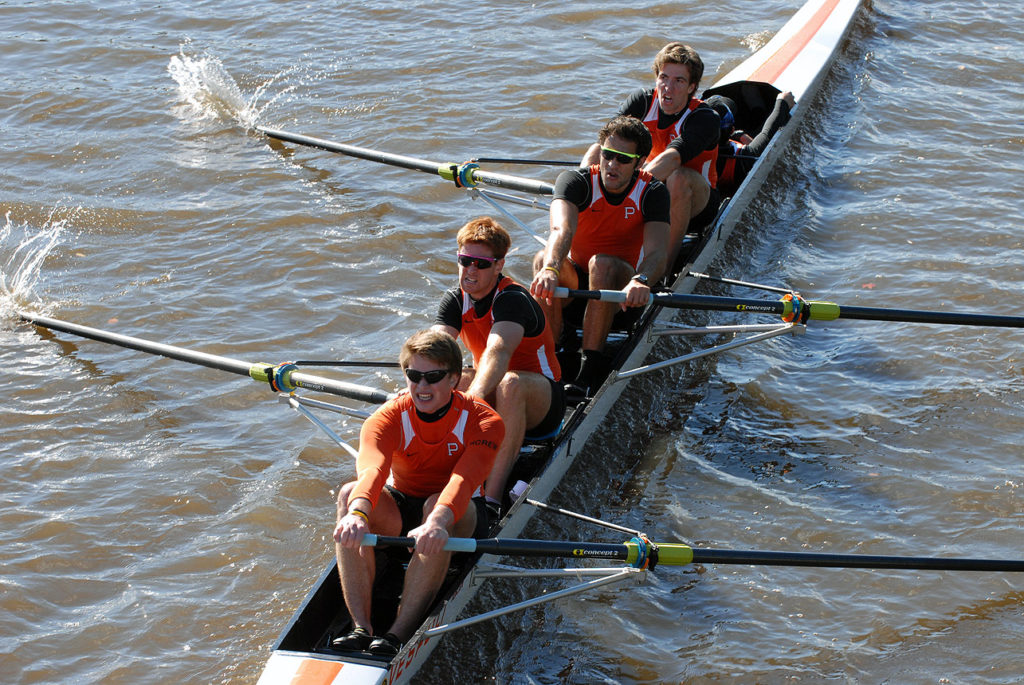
(347,363)
(797,309)
(509,160)
(642,553)
(281,377)
(463,175)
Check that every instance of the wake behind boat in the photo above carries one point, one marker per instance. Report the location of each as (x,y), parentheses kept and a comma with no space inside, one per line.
(797,59)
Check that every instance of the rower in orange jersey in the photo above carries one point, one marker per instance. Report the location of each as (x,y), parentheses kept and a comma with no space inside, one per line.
(422,457)
(609,230)
(685,140)
(515,368)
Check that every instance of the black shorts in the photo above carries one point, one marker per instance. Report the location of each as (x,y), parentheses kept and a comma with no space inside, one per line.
(552,421)
(411,510)
(582,275)
(707,215)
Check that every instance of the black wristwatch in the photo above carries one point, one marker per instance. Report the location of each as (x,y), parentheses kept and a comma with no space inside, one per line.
(641,278)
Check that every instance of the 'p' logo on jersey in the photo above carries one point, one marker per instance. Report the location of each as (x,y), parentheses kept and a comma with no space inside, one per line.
(453,447)
(630,211)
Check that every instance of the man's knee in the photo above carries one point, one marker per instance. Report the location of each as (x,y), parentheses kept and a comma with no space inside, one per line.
(607,271)
(510,387)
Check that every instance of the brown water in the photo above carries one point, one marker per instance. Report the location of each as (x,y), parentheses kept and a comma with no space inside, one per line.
(161,521)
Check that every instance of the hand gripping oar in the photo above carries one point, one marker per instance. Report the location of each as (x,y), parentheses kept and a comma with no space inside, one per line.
(465,175)
(799,310)
(642,553)
(281,377)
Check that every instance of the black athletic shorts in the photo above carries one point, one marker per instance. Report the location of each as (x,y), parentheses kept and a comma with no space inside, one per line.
(411,510)
(549,425)
(707,215)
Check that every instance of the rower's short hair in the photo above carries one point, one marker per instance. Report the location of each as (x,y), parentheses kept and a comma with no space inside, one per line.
(627,128)
(680,53)
(485,230)
(437,346)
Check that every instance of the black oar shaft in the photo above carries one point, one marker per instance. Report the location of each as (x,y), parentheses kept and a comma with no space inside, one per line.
(711,556)
(241,368)
(521,547)
(811,309)
(525,185)
(677,554)
(915,316)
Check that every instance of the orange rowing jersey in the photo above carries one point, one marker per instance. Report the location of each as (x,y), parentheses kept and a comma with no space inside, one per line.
(604,228)
(704,163)
(451,456)
(534,353)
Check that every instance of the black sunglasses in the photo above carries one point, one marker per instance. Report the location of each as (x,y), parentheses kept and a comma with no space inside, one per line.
(619,156)
(435,376)
(468,260)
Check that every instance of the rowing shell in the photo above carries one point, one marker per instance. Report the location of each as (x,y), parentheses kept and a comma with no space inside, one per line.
(797,59)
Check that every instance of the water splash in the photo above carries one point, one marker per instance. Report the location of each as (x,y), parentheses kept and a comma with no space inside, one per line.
(23,250)
(210,91)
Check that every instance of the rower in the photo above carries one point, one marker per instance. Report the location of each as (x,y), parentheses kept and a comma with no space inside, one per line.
(609,230)
(737,151)
(422,456)
(685,141)
(515,369)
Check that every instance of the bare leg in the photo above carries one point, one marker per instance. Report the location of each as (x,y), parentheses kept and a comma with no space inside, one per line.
(424,576)
(522,399)
(690,193)
(606,273)
(358,566)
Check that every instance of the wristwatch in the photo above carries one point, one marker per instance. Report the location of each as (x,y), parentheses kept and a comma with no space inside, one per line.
(640,278)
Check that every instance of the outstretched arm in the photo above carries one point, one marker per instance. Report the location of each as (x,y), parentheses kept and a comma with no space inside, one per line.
(563,216)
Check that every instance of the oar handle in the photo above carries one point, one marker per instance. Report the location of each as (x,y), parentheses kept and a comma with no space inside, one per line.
(602,295)
(637,552)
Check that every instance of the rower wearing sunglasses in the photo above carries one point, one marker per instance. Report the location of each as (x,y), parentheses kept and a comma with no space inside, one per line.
(685,140)
(609,231)
(514,364)
(422,457)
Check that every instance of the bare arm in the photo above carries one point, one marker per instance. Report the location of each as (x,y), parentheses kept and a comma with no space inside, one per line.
(653,265)
(664,164)
(445,329)
(563,216)
(656,235)
(503,340)
(432,534)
